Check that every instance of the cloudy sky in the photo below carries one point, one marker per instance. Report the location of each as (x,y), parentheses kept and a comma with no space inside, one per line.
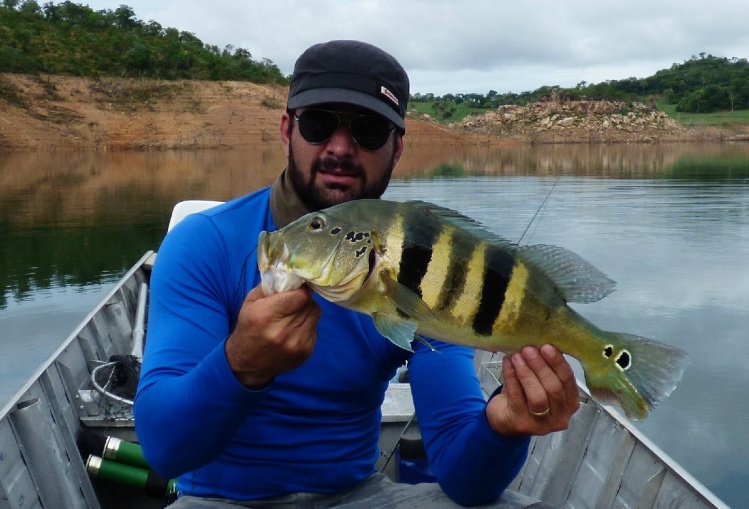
(454,46)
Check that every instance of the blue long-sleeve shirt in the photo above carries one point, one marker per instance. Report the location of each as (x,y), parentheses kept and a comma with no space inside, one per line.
(314,429)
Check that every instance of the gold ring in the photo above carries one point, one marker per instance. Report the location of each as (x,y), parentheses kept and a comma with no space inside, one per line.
(540,414)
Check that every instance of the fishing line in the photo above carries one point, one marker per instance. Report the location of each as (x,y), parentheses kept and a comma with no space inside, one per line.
(391,453)
(540,208)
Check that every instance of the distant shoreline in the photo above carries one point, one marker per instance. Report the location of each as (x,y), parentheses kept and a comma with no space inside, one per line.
(51,112)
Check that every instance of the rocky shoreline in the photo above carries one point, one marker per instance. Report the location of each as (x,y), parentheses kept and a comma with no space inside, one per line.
(591,121)
(50,112)
(564,121)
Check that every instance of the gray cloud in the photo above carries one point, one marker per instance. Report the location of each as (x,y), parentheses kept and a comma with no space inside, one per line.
(474,46)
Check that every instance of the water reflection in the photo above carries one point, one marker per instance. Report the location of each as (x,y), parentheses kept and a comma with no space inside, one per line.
(83,217)
(45,187)
(608,161)
(669,222)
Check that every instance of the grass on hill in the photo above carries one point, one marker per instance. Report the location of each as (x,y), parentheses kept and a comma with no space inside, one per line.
(719,119)
(455,113)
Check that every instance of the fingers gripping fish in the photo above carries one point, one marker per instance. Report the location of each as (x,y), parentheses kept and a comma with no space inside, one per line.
(418,268)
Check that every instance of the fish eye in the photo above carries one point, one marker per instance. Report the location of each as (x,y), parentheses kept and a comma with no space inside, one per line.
(317,223)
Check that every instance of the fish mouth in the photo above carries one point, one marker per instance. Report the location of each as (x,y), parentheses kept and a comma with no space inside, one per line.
(273,265)
(262,252)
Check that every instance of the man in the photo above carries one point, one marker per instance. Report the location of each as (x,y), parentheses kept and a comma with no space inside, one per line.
(274,401)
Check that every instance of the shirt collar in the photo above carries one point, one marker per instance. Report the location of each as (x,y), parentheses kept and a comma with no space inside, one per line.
(285,204)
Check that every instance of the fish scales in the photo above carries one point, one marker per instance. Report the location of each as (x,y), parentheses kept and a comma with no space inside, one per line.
(429,253)
(493,289)
(417,245)
(422,270)
(463,307)
(437,263)
(441,273)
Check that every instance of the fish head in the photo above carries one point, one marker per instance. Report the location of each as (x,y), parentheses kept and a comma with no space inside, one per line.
(322,249)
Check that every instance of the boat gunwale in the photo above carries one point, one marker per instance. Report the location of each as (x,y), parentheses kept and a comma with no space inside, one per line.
(640,439)
(49,361)
(671,464)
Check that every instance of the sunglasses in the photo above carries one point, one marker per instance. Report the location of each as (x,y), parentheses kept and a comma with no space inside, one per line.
(370,132)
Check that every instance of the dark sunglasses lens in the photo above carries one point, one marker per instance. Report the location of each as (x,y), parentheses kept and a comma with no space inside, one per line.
(370,132)
(317,126)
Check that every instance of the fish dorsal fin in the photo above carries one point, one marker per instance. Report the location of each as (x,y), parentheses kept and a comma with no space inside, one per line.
(459,220)
(576,278)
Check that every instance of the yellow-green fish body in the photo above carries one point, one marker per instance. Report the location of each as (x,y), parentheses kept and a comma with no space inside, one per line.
(419,269)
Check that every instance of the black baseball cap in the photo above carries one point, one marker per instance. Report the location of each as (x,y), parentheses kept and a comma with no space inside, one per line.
(350,72)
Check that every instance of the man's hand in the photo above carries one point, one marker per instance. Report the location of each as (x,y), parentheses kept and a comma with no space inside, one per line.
(539,396)
(274,334)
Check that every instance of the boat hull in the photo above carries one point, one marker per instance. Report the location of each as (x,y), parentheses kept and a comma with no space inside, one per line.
(600,461)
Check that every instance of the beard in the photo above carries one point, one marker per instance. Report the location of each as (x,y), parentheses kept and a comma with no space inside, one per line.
(317,197)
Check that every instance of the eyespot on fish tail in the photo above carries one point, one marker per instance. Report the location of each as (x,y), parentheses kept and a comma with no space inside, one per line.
(644,372)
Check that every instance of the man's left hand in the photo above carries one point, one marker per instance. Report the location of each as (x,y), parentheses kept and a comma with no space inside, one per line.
(539,395)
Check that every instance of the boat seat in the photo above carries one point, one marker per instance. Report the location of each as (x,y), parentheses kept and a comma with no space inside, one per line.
(180,211)
(185,208)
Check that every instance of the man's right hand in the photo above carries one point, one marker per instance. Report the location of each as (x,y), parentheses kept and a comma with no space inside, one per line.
(274,334)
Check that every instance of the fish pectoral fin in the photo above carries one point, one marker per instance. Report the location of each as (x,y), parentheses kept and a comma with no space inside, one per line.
(401,332)
(407,301)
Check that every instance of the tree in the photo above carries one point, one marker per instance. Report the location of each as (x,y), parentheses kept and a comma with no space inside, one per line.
(125,18)
(73,39)
(30,7)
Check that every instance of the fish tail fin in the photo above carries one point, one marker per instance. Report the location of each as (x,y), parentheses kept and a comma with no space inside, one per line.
(639,373)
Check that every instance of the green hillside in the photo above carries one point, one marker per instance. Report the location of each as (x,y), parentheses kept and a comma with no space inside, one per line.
(72,39)
(700,85)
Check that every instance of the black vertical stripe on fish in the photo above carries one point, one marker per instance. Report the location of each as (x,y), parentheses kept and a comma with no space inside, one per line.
(416,254)
(454,284)
(496,280)
(414,262)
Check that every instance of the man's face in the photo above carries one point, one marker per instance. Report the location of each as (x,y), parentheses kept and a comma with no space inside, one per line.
(337,170)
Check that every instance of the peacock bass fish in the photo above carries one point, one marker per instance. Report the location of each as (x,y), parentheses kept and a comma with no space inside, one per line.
(420,269)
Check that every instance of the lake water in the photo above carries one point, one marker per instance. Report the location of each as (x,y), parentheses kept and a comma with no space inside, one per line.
(669,223)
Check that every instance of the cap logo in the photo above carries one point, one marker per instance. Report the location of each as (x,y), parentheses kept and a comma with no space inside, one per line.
(387,93)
